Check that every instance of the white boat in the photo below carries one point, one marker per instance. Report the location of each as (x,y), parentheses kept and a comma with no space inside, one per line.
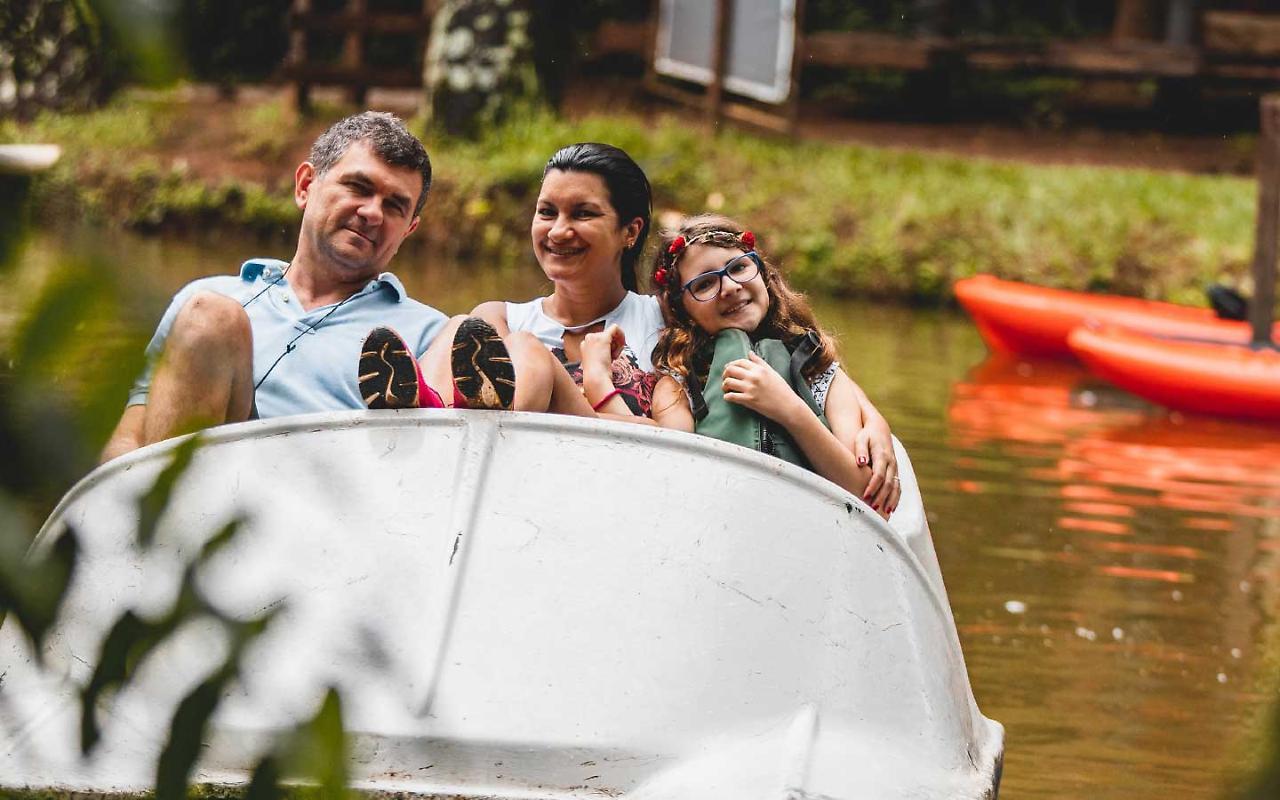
(518,606)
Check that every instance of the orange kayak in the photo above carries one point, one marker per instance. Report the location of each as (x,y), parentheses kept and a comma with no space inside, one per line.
(1035,321)
(1222,379)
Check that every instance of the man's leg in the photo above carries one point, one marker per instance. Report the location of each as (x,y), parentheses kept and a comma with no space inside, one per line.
(205,375)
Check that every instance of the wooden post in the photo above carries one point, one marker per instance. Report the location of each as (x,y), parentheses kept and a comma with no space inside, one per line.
(298,53)
(792,109)
(353,51)
(1267,238)
(1181,22)
(719,61)
(1135,20)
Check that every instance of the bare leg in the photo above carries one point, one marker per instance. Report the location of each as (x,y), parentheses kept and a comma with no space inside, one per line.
(205,376)
(542,384)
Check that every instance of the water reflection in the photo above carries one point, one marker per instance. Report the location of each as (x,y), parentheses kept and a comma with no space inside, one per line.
(1139,552)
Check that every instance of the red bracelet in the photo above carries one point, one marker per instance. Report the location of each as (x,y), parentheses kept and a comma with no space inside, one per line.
(606,399)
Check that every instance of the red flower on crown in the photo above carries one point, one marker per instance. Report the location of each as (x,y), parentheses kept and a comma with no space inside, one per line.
(749,239)
(660,277)
(676,245)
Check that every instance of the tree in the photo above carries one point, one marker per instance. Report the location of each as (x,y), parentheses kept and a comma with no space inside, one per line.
(50,56)
(479,64)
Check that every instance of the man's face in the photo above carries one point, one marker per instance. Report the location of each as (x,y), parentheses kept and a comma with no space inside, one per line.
(356,215)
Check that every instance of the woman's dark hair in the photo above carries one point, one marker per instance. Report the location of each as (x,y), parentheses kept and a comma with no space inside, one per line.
(629,191)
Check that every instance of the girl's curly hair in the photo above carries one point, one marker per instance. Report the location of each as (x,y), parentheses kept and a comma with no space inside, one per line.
(682,346)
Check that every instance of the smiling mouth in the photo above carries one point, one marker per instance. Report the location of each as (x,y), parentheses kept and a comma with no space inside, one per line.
(564,252)
(731,310)
(366,237)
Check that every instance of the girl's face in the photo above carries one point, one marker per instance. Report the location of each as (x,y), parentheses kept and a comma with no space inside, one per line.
(738,305)
(576,231)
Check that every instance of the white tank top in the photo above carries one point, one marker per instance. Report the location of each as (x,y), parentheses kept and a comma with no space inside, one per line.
(638,315)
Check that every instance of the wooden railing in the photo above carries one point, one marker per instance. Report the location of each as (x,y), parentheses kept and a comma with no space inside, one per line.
(357,23)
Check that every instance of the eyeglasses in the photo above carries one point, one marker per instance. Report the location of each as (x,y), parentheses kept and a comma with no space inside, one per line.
(740,269)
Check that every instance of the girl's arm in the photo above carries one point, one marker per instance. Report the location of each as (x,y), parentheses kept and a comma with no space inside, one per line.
(751,382)
(671,405)
(870,442)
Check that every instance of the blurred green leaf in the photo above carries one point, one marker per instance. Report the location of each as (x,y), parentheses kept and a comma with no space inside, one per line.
(265,783)
(132,639)
(128,642)
(14,191)
(152,505)
(220,540)
(187,731)
(32,589)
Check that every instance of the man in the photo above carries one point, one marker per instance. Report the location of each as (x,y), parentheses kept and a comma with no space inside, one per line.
(282,338)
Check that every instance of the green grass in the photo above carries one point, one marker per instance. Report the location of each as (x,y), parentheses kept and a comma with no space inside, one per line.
(840,218)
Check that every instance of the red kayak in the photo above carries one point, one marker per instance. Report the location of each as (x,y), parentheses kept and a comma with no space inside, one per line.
(1035,321)
(1222,379)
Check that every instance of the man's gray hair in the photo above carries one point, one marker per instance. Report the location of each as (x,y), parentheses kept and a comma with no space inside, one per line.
(389,139)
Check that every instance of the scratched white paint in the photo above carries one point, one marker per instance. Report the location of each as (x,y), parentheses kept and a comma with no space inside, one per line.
(523,606)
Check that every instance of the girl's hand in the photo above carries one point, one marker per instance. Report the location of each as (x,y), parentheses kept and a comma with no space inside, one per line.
(598,352)
(874,447)
(751,382)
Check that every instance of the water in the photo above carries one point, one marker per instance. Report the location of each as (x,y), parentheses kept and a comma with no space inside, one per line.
(1114,570)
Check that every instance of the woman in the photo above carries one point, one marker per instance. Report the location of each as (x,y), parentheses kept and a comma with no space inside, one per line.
(589,229)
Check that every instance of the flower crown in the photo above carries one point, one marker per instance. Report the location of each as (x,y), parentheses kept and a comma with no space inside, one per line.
(666,271)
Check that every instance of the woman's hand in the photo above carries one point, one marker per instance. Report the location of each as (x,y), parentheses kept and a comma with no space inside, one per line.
(751,382)
(874,447)
(598,353)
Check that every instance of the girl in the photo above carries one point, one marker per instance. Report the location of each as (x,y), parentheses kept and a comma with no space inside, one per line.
(743,359)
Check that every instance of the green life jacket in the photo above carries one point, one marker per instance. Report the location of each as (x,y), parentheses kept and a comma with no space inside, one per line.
(718,418)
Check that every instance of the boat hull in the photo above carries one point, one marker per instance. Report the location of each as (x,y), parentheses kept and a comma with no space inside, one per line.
(1029,320)
(519,606)
(1230,380)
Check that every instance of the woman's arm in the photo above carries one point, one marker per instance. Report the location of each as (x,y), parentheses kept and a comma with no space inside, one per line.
(871,443)
(751,382)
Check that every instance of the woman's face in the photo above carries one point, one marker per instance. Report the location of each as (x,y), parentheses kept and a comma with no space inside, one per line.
(738,305)
(576,231)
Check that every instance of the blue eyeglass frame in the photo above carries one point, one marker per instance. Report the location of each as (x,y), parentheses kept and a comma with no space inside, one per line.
(723,273)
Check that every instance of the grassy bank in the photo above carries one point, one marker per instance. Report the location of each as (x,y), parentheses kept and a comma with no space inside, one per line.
(841,218)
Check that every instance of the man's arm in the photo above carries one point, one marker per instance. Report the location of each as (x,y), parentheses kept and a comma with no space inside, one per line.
(128,434)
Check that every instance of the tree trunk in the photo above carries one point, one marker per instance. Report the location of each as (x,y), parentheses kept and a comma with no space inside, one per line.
(479,64)
(50,56)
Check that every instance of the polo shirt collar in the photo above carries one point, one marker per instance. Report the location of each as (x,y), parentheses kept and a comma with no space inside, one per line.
(272,269)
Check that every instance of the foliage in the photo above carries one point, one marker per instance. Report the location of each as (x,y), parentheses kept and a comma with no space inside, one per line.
(231,41)
(51,56)
(49,422)
(850,219)
(841,218)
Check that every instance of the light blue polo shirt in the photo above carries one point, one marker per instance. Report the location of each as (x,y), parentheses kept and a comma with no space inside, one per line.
(315,353)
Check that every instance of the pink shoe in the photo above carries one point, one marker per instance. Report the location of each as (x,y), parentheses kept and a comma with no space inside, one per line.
(389,374)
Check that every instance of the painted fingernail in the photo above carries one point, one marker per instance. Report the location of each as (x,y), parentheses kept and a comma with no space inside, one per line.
(862,461)
(875,506)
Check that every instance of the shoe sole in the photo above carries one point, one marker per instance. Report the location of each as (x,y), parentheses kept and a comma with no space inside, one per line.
(482,368)
(388,371)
